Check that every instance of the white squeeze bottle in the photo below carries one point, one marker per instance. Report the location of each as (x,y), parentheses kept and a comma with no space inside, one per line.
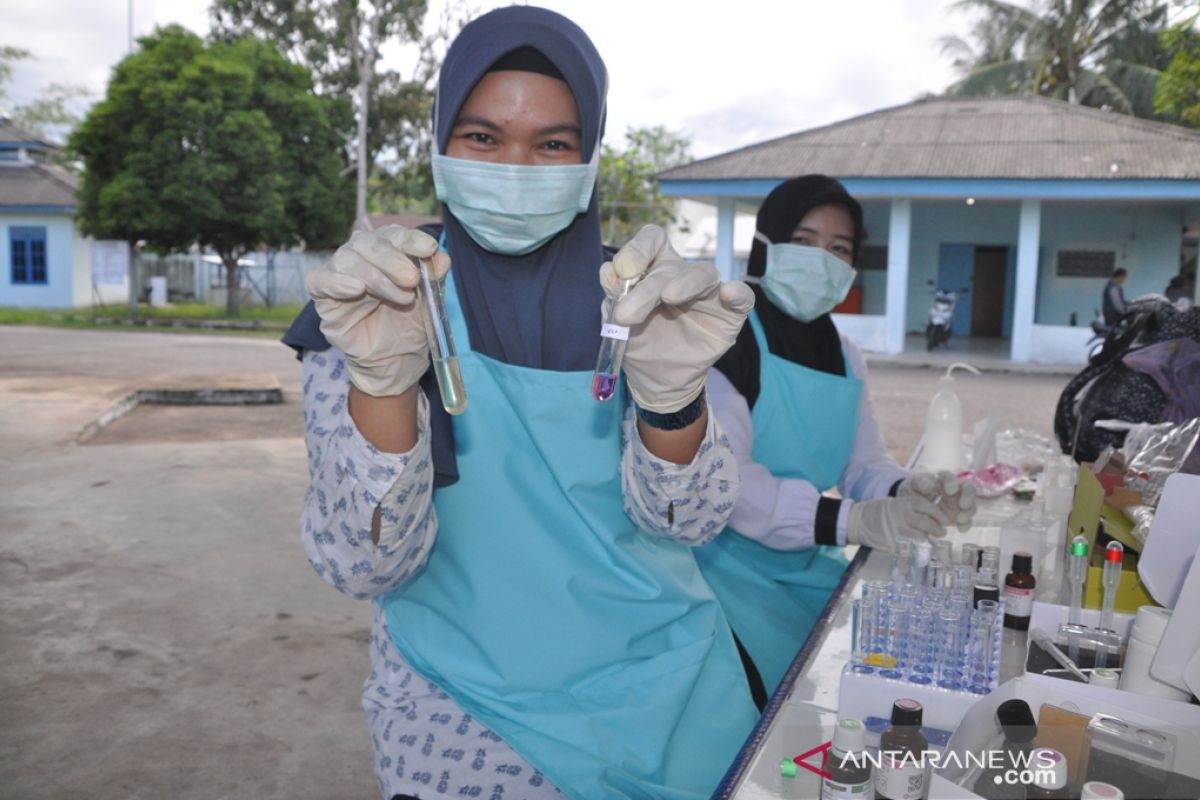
(944,425)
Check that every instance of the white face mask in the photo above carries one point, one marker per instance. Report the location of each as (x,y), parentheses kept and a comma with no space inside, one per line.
(804,282)
(513,208)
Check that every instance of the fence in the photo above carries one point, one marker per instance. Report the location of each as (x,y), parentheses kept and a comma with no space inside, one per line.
(270,278)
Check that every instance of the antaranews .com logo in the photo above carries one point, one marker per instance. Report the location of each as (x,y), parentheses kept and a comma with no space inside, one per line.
(1011,767)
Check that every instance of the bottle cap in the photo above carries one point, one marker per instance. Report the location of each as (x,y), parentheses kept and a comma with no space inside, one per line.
(849,736)
(1105,677)
(1022,563)
(1079,546)
(1114,554)
(906,712)
(1099,790)
(1049,768)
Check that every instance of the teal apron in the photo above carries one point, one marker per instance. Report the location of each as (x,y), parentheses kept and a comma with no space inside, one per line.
(594,649)
(805,422)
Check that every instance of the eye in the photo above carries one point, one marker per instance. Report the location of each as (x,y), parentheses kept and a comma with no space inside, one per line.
(558,146)
(479,137)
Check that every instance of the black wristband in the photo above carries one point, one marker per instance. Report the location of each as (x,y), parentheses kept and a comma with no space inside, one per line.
(675,420)
(825,524)
(894,491)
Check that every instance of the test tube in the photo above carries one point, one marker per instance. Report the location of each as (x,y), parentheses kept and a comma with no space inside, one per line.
(935,573)
(922,644)
(902,562)
(1076,576)
(970,555)
(941,551)
(612,337)
(441,341)
(951,638)
(1111,579)
(990,559)
(922,551)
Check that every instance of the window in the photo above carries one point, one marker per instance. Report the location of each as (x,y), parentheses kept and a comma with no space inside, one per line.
(28,249)
(1086,263)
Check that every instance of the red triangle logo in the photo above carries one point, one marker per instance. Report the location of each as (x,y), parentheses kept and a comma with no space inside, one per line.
(800,760)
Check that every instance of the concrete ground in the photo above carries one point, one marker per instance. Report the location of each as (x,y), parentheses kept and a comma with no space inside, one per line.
(162,635)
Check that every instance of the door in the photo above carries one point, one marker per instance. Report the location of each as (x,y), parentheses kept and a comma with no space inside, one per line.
(956,266)
(988,285)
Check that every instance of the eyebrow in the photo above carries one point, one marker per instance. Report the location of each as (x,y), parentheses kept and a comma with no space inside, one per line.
(815,233)
(550,130)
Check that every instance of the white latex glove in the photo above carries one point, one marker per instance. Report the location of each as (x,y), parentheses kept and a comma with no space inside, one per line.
(880,523)
(955,498)
(366,297)
(681,317)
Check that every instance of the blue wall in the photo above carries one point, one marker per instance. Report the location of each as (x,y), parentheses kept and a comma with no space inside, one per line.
(935,224)
(58,291)
(876,214)
(1146,240)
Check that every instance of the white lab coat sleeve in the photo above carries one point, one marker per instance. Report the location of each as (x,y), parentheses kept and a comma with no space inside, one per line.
(687,502)
(779,513)
(871,472)
(349,478)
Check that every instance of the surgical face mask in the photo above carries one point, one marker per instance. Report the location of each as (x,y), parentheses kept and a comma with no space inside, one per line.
(513,208)
(804,282)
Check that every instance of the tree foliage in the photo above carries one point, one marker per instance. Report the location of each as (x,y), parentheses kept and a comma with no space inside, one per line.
(224,146)
(1177,97)
(340,42)
(52,112)
(629,196)
(1101,53)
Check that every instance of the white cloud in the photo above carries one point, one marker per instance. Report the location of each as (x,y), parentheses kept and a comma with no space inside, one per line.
(727,75)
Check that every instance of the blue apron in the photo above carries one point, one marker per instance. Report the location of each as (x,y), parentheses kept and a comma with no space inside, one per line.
(805,422)
(594,649)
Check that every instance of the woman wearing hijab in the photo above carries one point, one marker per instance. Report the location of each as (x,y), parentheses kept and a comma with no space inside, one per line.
(790,395)
(540,624)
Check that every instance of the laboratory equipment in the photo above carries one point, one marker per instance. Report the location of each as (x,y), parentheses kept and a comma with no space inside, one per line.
(1042,640)
(441,341)
(1076,576)
(944,425)
(613,337)
(1111,577)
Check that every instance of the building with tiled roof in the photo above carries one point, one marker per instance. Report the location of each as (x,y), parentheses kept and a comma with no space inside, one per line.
(1027,204)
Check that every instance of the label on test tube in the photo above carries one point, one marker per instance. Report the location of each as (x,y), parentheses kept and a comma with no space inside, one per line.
(610,331)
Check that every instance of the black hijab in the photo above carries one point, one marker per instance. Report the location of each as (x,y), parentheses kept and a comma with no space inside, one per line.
(812,344)
(539,310)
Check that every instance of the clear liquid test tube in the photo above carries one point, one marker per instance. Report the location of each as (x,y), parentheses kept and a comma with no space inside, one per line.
(970,556)
(441,341)
(612,340)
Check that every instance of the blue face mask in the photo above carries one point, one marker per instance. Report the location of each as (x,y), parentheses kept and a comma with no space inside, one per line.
(804,282)
(512,208)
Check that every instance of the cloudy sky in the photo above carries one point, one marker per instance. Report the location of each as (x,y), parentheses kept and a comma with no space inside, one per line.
(726,75)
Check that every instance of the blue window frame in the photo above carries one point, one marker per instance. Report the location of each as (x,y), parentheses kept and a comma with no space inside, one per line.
(28,248)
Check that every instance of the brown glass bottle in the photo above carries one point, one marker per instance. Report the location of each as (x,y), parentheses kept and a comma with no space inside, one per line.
(1018,592)
(901,774)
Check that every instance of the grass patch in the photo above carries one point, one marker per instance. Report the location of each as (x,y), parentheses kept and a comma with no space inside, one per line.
(184,317)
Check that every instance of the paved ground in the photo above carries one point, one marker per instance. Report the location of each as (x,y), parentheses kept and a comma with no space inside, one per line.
(161,632)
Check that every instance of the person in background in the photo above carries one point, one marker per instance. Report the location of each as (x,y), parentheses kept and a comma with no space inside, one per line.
(540,623)
(791,396)
(1179,292)
(1113,300)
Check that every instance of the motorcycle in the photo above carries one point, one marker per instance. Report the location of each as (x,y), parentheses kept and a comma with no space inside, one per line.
(941,316)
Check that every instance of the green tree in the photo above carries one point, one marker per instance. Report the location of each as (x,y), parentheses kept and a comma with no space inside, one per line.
(53,111)
(629,196)
(340,42)
(1101,53)
(224,146)
(1177,97)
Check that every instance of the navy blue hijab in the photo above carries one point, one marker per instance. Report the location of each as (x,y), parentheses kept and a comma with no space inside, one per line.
(540,310)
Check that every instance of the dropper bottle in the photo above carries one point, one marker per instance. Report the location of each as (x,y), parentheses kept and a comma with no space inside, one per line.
(944,424)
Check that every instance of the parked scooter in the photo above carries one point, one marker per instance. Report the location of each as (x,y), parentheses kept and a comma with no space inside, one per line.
(941,317)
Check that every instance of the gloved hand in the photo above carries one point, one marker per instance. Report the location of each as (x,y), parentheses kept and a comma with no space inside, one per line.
(955,498)
(366,297)
(879,523)
(682,318)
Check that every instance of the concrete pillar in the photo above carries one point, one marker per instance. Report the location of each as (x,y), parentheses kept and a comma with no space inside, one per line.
(899,247)
(725,206)
(1028,244)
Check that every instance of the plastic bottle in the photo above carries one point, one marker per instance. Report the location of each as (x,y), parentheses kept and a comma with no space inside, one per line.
(850,773)
(944,425)
(1049,768)
(1018,592)
(1098,790)
(901,749)
(1144,637)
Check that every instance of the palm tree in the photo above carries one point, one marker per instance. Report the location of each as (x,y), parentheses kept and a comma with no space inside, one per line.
(1101,53)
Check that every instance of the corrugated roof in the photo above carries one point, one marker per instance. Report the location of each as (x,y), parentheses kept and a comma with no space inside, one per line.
(32,184)
(997,137)
(10,133)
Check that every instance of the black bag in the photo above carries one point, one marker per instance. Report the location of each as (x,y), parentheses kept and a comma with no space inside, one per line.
(1107,389)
